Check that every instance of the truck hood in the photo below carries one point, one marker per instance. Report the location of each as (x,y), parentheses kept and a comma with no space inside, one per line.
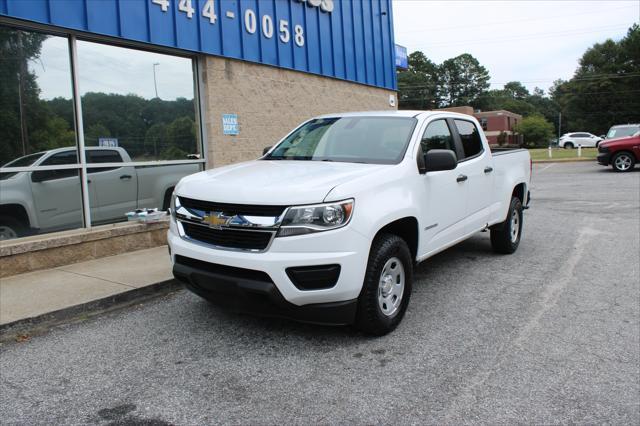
(608,142)
(272,182)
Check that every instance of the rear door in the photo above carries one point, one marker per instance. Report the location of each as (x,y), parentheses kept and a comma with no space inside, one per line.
(443,214)
(475,170)
(115,188)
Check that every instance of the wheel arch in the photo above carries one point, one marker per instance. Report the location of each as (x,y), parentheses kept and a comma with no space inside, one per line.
(16,211)
(405,228)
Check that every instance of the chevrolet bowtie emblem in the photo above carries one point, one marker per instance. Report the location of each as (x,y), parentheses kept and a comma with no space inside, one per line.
(216,220)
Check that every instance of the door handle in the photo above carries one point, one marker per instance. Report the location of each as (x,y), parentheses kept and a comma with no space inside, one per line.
(488,169)
(461,178)
(125,177)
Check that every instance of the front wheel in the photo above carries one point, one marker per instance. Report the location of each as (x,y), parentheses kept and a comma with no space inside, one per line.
(11,228)
(623,162)
(568,145)
(386,289)
(505,236)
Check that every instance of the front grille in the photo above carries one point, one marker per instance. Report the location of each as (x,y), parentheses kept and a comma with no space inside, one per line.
(229,238)
(232,209)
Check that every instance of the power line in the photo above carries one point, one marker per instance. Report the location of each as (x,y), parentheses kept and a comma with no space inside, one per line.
(526,37)
(488,24)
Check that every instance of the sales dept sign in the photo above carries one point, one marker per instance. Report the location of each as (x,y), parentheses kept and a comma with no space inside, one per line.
(230,124)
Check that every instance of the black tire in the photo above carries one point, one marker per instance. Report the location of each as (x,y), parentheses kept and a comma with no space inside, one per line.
(623,162)
(11,228)
(502,236)
(370,318)
(568,145)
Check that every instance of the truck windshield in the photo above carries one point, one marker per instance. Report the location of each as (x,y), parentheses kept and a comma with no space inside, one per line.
(619,132)
(25,161)
(374,140)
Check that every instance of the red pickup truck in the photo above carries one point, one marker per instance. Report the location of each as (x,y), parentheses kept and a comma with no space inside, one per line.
(620,153)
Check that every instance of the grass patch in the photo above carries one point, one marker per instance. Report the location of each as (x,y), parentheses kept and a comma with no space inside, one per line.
(563,154)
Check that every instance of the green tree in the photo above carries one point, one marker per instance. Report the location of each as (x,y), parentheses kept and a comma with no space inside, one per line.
(603,91)
(516,90)
(94,133)
(536,130)
(418,85)
(462,80)
(181,133)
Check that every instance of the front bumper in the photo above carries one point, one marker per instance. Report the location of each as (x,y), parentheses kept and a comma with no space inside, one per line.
(343,247)
(242,290)
(604,158)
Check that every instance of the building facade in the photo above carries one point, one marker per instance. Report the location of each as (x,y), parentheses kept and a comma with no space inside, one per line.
(105,104)
(499,126)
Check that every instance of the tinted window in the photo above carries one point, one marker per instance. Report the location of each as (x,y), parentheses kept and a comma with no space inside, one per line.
(483,123)
(470,138)
(66,157)
(103,156)
(437,136)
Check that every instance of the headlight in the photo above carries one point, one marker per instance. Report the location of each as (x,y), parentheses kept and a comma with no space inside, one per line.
(301,220)
(172,206)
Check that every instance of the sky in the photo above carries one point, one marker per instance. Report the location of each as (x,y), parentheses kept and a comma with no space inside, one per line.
(110,69)
(534,42)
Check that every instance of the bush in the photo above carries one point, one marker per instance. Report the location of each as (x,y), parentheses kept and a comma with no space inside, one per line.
(536,131)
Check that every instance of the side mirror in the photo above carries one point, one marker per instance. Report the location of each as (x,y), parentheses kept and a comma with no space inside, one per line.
(264,151)
(440,159)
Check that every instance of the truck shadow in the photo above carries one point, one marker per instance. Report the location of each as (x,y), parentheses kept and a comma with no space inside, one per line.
(208,317)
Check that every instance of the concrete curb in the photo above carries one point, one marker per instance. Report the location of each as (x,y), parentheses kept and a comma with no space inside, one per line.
(569,160)
(41,323)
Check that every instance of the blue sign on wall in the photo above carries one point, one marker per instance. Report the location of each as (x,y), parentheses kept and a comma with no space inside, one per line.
(402,59)
(230,124)
(346,39)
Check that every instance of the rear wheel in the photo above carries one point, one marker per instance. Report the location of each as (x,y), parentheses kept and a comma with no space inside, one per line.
(568,145)
(386,289)
(505,237)
(623,162)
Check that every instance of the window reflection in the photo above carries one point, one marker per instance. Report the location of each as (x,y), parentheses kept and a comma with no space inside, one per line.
(139,101)
(36,108)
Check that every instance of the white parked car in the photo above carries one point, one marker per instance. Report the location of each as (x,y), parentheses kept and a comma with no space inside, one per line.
(50,200)
(327,226)
(572,140)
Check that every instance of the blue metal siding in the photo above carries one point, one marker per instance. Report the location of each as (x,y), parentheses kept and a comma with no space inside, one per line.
(354,42)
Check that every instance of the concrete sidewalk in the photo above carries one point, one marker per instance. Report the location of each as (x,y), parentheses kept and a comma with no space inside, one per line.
(32,295)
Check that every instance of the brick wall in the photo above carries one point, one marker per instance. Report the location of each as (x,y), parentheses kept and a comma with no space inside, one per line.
(270,102)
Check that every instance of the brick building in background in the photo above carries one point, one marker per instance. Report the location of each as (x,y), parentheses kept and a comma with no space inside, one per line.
(495,123)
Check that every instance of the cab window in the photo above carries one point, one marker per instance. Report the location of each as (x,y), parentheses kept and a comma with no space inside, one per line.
(470,138)
(437,136)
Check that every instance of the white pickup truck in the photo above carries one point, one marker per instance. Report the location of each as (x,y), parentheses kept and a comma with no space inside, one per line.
(50,200)
(327,226)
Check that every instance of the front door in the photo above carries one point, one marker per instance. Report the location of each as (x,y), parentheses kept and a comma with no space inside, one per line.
(443,214)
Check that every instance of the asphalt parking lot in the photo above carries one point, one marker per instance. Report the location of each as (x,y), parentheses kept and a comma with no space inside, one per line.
(550,334)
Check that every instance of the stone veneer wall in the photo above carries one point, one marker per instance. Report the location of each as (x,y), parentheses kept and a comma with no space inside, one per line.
(270,102)
(78,245)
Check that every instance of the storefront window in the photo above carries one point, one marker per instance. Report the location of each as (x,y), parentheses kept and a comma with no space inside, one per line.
(140,125)
(139,101)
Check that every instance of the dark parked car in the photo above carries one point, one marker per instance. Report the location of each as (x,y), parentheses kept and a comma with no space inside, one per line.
(621,153)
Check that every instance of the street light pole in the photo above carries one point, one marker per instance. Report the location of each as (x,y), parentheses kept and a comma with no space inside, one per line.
(155,83)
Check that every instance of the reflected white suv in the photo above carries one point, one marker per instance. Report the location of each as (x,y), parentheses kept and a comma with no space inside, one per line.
(572,140)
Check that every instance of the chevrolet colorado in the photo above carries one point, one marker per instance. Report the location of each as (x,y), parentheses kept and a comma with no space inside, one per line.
(327,226)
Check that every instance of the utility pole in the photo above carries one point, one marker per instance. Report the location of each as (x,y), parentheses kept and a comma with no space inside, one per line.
(155,83)
(22,77)
(559,126)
